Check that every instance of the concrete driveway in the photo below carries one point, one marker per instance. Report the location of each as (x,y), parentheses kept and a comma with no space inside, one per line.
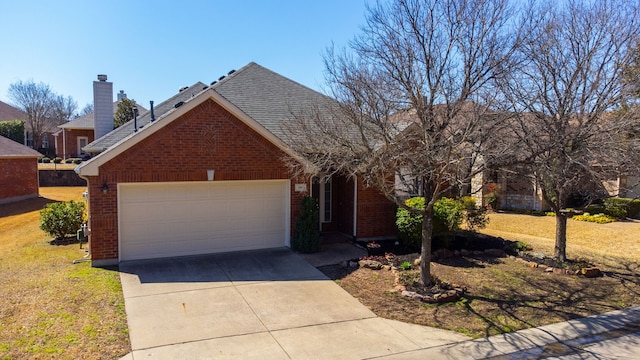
(267,304)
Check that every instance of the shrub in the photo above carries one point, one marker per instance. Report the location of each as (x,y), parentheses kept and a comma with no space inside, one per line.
(68,161)
(62,218)
(598,218)
(57,160)
(46,160)
(616,207)
(77,161)
(306,235)
(448,214)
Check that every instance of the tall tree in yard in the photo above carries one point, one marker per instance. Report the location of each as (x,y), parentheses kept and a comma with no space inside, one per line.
(412,97)
(564,91)
(124,112)
(44,108)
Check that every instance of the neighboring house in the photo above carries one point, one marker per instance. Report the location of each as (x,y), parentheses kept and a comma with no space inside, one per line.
(18,171)
(211,175)
(8,112)
(74,135)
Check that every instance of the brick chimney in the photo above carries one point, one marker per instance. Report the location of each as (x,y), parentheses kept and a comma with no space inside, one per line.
(102,106)
(121,95)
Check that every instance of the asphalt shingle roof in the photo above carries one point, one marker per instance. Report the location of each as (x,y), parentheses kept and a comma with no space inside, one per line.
(159,110)
(86,121)
(267,97)
(8,112)
(12,149)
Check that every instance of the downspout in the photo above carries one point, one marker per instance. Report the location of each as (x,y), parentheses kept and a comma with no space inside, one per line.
(355,207)
(87,256)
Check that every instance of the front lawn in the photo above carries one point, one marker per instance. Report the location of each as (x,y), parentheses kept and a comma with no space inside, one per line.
(50,307)
(505,295)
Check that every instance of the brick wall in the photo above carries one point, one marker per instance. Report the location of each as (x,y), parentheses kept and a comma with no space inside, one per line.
(207,137)
(376,214)
(18,178)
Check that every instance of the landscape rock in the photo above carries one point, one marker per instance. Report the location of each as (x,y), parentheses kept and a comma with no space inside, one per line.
(417,262)
(591,272)
(559,271)
(371,264)
(386,267)
(549,269)
(532,264)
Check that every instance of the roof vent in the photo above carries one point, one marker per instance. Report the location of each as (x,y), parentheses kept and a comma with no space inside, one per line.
(183,89)
(205,87)
(178,104)
(231,72)
(221,77)
(102,77)
(213,82)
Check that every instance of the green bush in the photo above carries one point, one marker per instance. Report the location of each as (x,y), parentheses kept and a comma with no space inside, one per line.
(448,215)
(621,207)
(306,235)
(57,160)
(598,218)
(77,161)
(68,161)
(46,160)
(61,219)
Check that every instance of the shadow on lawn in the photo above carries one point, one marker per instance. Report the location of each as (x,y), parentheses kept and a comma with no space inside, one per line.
(24,206)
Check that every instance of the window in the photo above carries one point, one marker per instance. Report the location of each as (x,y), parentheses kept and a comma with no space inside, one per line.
(45,141)
(29,139)
(321,191)
(82,142)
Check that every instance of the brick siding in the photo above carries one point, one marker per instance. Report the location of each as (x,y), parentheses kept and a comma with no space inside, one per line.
(19,178)
(207,137)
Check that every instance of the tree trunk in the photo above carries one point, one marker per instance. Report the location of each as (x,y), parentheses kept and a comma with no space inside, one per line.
(425,255)
(560,251)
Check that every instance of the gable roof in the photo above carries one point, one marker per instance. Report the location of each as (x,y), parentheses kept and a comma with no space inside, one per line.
(86,122)
(261,98)
(12,149)
(8,112)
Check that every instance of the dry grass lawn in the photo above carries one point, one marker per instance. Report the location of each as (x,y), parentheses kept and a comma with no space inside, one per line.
(609,242)
(50,307)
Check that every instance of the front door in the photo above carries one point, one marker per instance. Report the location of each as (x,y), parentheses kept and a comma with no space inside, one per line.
(82,142)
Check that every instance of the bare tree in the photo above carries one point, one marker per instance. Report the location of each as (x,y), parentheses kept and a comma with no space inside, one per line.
(87,109)
(563,94)
(412,100)
(44,108)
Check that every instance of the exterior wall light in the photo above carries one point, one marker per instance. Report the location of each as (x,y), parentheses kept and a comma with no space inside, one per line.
(105,188)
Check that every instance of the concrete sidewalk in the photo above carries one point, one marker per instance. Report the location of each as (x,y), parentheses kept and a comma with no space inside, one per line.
(613,335)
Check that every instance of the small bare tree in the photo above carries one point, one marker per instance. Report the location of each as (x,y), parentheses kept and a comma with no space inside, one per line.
(412,100)
(563,95)
(44,108)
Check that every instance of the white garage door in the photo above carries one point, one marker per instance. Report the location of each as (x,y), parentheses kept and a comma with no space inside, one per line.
(175,219)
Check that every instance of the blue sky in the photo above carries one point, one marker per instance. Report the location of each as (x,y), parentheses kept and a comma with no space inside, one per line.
(150,49)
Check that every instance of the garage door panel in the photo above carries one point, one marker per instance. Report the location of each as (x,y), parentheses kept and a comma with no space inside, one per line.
(174,219)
